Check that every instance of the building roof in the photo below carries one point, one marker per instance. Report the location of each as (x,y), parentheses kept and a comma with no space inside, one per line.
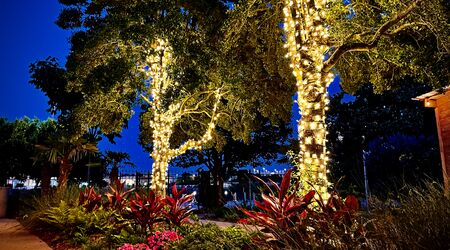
(433,95)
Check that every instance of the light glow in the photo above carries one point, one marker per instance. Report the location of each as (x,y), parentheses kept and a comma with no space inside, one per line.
(306,43)
(165,118)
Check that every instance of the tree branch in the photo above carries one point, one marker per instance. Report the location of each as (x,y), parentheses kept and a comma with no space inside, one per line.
(341,50)
(192,144)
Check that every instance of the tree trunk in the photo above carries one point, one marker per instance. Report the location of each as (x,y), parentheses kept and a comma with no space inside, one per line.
(159,172)
(218,179)
(312,139)
(220,192)
(114,175)
(64,171)
(46,175)
(306,40)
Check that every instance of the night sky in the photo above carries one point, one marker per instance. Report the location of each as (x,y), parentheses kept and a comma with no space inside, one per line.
(28,34)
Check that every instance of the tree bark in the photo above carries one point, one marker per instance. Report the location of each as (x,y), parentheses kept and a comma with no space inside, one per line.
(65,168)
(307,44)
(46,175)
(312,140)
(220,192)
(159,172)
(114,175)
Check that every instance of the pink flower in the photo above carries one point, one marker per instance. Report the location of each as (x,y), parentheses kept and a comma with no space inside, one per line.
(161,239)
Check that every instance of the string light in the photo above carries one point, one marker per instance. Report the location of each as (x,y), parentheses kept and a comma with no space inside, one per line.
(306,34)
(165,118)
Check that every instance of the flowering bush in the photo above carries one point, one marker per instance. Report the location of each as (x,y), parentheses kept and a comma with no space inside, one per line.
(157,241)
(161,239)
(141,246)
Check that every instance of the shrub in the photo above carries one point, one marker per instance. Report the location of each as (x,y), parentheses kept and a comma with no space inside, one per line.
(76,224)
(281,213)
(161,240)
(37,205)
(146,210)
(336,223)
(210,236)
(179,208)
(293,221)
(421,222)
(117,196)
(89,199)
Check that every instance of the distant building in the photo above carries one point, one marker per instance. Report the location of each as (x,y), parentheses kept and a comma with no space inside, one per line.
(440,101)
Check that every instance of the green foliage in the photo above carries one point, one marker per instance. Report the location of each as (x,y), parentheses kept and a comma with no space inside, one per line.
(17,140)
(35,206)
(370,122)
(111,36)
(420,222)
(50,77)
(77,225)
(95,220)
(62,213)
(210,236)
(416,45)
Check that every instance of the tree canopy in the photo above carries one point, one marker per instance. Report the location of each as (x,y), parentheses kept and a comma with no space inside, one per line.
(112,37)
(17,146)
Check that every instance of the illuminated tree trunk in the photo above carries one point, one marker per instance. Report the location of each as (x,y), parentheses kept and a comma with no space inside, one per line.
(159,174)
(306,41)
(161,153)
(166,117)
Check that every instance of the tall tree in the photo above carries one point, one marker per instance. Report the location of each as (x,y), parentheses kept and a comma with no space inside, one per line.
(16,147)
(62,151)
(114,40)
(364,41)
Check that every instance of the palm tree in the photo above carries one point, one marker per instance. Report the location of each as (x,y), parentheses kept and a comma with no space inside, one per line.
(115,160)
(64,152)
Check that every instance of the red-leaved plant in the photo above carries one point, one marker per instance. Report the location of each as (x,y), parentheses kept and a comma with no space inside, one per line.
(281,212)
(146,210)
(117,196)
(290,221)
(90,199)
(335,221)
(179,208)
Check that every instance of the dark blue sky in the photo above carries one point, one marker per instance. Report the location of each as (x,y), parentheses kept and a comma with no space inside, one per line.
(28,34)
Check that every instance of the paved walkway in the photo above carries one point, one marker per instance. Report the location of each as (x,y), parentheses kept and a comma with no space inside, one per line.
(223,224)
(13,236)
